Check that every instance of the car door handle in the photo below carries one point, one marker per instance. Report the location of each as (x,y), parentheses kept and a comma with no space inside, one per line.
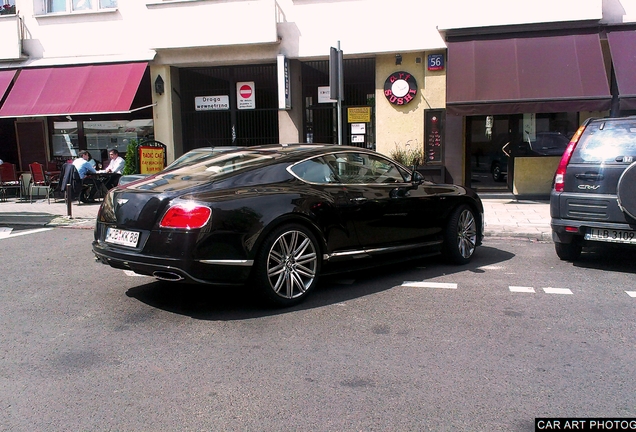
(359,199)
(589,176)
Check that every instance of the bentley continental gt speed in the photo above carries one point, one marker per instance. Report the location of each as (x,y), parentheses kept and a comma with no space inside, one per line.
(276,217)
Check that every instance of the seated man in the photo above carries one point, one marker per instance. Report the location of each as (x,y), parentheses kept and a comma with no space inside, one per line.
(84,168)
(115,166)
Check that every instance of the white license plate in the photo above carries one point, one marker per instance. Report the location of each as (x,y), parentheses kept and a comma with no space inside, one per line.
(122,237)
(611,235)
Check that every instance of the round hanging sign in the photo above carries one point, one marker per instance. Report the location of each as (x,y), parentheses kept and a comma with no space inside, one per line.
(400,88)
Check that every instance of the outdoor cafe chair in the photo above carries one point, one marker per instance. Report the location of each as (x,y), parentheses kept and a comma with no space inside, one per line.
(39,179)
(8,179)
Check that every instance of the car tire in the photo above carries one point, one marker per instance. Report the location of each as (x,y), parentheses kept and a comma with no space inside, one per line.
(497,175)
(568,251)
(460,235)
(287,265)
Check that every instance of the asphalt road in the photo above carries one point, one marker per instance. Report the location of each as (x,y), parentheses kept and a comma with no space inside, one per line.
(489,348)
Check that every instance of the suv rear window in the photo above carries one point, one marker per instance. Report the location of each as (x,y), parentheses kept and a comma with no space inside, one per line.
(606,141)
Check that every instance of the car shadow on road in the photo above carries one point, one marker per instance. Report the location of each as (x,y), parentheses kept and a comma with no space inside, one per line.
(613,258)
(227,303)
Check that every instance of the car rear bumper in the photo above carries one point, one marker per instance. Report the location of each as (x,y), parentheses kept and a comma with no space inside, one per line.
(568,230)
(227,272)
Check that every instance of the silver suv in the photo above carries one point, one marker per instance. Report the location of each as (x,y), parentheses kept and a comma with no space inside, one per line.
(594,195)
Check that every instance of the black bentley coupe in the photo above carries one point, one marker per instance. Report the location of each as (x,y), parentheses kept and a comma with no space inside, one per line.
(279,216)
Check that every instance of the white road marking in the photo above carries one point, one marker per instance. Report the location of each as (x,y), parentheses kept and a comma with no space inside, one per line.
(521,289)
(631,293)
(430,285)
(132,273)
(491,267)
(21,233)
(550,290)
(5,232)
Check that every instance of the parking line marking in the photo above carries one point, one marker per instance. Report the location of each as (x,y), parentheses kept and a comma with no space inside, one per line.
(415,284)
(550,290)
(631,293)
(521,289)
(25,232)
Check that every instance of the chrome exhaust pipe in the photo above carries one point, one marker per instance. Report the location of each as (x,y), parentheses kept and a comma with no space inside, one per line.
(168,276)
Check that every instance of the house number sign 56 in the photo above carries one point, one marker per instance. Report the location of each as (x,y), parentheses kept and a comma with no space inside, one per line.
(400,88)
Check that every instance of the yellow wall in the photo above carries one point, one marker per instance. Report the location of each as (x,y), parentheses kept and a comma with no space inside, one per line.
(399,125)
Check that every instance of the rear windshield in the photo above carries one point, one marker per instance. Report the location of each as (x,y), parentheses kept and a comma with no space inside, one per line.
(607,141)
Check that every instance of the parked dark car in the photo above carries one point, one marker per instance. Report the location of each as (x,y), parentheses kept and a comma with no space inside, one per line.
(187,158)
(594,196)
(545,144)
(279,216)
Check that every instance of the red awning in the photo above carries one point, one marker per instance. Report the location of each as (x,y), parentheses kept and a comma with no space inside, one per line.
(92,89)
(623,48)
(6,76)
(527,75)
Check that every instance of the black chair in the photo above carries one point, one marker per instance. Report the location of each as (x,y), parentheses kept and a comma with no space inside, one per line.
(69,176)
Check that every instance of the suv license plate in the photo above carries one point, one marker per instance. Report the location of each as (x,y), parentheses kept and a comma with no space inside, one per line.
(610,235)
(122,237)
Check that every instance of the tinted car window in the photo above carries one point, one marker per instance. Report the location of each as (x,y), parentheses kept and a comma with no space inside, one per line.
(606,141)
(314,171)
(362,168)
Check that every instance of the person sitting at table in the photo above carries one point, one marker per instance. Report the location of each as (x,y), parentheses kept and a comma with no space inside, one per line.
(115,166)
(92,161)
(84,168)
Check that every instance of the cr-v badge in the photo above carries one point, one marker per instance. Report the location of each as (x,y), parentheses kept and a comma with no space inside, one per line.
(589,187)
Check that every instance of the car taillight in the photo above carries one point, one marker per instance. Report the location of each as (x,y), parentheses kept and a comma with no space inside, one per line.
(559,176)
(186,216)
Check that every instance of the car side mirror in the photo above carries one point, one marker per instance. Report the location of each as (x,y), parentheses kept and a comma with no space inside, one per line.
(416,178)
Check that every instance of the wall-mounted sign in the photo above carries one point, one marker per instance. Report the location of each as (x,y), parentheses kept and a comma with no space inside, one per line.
(211,103)
(245,95)
(284,96)
(435,62)
(359,115)
(357,138)
(324,95)
(358,128)
(400,88)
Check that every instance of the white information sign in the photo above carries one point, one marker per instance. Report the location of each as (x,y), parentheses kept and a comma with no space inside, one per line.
(211,103)
(357,138)
(358,128)
(324,95)
(245,97)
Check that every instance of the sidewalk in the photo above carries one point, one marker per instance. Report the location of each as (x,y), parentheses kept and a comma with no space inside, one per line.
(505,216)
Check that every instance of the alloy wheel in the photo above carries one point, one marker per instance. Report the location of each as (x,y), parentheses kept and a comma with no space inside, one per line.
(466,234)
(291,264)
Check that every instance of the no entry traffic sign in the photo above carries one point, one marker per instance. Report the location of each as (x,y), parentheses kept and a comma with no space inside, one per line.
(245,95)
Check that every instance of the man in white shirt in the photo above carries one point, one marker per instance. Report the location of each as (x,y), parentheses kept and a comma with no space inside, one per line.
(115,166)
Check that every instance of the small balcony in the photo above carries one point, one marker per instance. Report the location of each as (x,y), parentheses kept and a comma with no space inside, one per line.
(11,31)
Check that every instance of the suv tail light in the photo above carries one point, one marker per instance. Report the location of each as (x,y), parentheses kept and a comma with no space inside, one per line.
(559,176)
(186,216)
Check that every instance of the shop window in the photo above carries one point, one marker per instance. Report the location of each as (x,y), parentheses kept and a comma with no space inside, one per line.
(65,139)
(104,135)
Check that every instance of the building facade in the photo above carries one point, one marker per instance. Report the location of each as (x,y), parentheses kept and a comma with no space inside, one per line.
(449,83)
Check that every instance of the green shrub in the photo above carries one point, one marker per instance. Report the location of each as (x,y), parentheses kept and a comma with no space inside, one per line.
(131,165)
(406,155)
